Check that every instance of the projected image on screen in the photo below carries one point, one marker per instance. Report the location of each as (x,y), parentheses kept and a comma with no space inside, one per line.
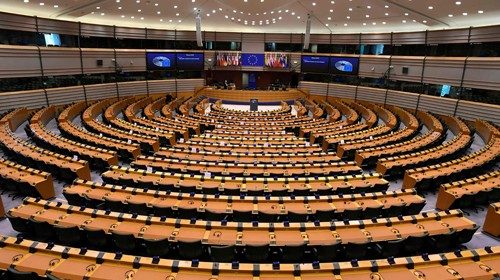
(276,60)
(160,61)
(225,59)
(252,59)
(344,65)
(190,61)
(52,39)
(315,64)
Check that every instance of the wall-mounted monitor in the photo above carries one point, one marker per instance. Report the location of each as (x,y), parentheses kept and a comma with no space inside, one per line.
(344,65)
(225,59)
(252,59)
(314,64)
(160,61)
(52,39)
(277,60)
(190,61)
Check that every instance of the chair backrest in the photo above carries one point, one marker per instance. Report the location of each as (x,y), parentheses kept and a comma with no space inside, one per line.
(14,274)
(190,250)
(222,253)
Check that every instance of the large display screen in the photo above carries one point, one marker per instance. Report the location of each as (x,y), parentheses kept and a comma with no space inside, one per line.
(277,60)
(190,61)
(315,64)
(344,65)
(52,39)
(225,59)
(160,61)
(252,59)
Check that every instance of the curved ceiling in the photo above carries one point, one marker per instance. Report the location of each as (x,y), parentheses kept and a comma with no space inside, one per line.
(281,16)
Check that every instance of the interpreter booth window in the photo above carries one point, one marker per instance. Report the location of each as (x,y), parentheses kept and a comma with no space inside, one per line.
(219,45)
(92,79)
(409,50)
(21,38)
(96,42)
(20,84)
(123,43)
(131,76)
(448,50)
(345,48)
(481,95)
(405,86)
(62,81)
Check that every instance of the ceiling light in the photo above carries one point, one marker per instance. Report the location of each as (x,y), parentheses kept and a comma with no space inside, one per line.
(430,7)
(26,1)
(332,2)
(329,18)
(119,8)
(424,21)
(118,1)
(132,17)
(41,4)
(374,23)
(345,24)
(180,20)
(364,23)
(368,7)
(480,12)
(177,14)
(56,6)
(102,14)
(331,10)
(298,17)
(386,6)
(123,16)
(367,16)
(156,4)
(158,12)
(293,13)
(348,17)
(170,20)
(139,10)
(450,15)
(458,3)
(138,1)
(383,22)
(350,9)
(142,18)
(326,24)
(175,6)
(403,21)
(95,7)
(314,3)
(161,19)
(193,1)
(208,15)
(386,14)
(406,14)
(464,13)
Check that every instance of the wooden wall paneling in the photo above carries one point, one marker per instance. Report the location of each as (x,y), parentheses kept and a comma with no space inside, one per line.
(90,57)
(65,95)
(131,60)
(414,64)
(485,34)
(132,88)
(474,110)
(161,86)
(16,99)
(409,38)
(101,91)
(17,22)
(60,61)
(403,99)
(57,26)
(19,61)
(342,91)
(314,88)
(376,38)
(482,72)
(130,32)
(94,30)
(443,70)
(438,105)
(373,65)
(376,95)
(449,36)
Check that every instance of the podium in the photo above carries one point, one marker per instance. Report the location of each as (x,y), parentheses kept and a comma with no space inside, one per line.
(254,104)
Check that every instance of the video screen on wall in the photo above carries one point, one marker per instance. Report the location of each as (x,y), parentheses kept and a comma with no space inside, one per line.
(252,59)
(225,59)
(277,60)
(160,61)
(344,65)
(315,64)
(190,61)
(52,39)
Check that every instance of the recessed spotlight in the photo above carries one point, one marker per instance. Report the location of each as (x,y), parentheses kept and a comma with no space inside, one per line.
(118,1)
(368,7)
(345,24)
(119,8)
(298,17)
(480,12)
(386,6)
(458,3)
(348,17)
(350,9)
(161,19)
(367,16)
(180,20)
(175,6)
(386,14)
(424,21)
(139,10)
(293,13)
(314,3)
(98,8)
(464,13)
(156,4)
(332,2)
(142,18)
(123,16)
(374,23)
(102,14)
(41,3)
(177,14)
(403,21)
(56,6)
(329,18)
(192,1)
(406,14)
(364,23)
(132,17)
(430,8)
(158,12)
(26,1)
(383,22)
